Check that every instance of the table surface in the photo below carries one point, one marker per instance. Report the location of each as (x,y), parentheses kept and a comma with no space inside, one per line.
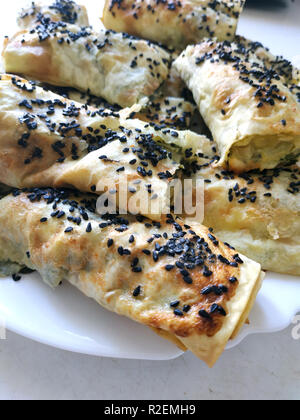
(262,367)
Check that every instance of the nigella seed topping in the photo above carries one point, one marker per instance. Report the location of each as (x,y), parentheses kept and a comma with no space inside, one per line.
(203,314)
(16,277)
(217,290)
(178,312)
(137,269)
(137,291)
(217,309)
(207,272)
(238,259)
(223,260)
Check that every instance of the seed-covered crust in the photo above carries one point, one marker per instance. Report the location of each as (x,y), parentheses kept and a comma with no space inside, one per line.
(116,66)
(47,140)
(177,279)
(249,107)
(257,212)
(175,24)
(167,111)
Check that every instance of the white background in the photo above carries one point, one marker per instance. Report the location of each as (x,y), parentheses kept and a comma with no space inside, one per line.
(262,367)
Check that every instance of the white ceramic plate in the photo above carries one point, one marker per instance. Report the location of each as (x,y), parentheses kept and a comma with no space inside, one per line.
(66,319)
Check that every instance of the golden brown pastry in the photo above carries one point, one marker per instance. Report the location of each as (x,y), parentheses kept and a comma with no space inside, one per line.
(47,140)
(57,10)
(252,114)
(120,68)
(175,24)
(256,212)
(178,280)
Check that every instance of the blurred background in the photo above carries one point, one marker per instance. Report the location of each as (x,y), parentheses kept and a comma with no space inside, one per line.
(268,4)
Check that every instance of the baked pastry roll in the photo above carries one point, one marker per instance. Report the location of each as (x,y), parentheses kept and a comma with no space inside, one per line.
(57,11)
(178,280)
(174,24)
(120,68)
(256,212)
(47,140)
(252,114)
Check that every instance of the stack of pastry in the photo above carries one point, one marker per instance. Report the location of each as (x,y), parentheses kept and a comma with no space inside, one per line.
(81,109)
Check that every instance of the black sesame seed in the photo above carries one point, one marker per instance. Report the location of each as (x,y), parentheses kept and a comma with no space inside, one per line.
(178,312)
(60,214)
(204,314)
(238,259)
(137,269)
(137,291)
(207,272)
(110,243)
(188,280)
(217,308)
(16,277)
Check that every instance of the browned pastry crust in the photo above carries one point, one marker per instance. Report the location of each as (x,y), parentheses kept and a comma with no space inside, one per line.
(256,212)
(47,140)
(179,280)
(175,24)
(249,108)
(118,67)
